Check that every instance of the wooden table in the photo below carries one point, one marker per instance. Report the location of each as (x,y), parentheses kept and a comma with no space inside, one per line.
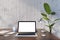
(47,37)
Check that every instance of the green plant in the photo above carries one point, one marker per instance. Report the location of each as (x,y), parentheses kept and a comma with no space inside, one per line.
(45,16)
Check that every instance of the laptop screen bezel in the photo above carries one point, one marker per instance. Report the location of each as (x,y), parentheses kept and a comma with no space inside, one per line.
(26,21)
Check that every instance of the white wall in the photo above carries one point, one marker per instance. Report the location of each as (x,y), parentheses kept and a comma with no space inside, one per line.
(11,11)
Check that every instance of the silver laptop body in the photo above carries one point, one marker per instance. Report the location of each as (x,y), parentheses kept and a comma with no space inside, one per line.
(26,29)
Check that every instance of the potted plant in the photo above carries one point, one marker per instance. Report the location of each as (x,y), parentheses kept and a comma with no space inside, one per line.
(46,16)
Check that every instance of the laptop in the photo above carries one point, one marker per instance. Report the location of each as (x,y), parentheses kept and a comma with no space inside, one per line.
(26,29)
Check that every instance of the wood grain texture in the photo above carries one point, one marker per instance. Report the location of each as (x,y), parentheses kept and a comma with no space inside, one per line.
(47,37)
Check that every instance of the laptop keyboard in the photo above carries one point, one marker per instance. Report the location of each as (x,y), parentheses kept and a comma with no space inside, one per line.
(26,34)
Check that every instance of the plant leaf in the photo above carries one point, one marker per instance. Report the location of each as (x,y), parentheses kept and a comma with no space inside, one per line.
(47,8)
(46,25)
(53,13)
(40,19)
(43,14)
(57,19)
(45,18)
(51,25)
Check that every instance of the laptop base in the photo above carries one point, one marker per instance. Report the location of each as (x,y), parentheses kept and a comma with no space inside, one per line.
(17,35)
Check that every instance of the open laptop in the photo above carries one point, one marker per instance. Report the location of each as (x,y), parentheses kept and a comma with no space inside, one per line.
(26,29)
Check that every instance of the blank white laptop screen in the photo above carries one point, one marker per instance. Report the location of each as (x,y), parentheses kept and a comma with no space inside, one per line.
(26,26)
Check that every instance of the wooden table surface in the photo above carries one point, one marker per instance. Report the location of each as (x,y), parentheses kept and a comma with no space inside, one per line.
(47,37)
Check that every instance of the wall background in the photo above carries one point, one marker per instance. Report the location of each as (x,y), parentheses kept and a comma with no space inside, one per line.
(12,11)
